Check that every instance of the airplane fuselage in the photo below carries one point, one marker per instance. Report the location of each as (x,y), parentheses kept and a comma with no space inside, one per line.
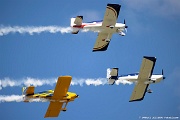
(97,27)
(46,96)
(134,78)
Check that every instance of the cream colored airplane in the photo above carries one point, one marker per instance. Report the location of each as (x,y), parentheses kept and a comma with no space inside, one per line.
(56,97)
(105,27)
(142,79)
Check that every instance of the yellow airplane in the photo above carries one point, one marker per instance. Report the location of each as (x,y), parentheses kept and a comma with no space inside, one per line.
(57,97)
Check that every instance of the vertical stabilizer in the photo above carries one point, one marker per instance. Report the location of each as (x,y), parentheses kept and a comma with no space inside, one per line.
(28,91)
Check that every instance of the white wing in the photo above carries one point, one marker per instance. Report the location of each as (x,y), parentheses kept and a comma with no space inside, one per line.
(145,73)
(110,18)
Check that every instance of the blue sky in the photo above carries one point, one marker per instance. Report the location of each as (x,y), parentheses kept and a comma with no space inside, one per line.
(153,31)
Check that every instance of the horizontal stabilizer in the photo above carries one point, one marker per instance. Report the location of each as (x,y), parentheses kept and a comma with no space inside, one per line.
(112,75)
(114,72)
(78,20)
(76,24)
(111,81)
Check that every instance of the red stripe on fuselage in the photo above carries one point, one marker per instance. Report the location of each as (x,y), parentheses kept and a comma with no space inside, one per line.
(82,26)
(78,26)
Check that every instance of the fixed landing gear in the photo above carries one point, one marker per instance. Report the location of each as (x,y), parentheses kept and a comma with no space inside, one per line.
(107,40)
(64,109)
(149,91)
(111,26)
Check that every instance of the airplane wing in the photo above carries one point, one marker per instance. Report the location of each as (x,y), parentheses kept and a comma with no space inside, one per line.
(110,18)
(101,42)
(60,91)
(145,73)
(53,109)
(111,15)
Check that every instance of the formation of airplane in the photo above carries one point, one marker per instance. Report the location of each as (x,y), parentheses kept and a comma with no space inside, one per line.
(105,27)
(58,97)
(142,79)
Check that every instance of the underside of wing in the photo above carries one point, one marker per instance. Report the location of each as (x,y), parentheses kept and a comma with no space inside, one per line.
(147,67)
(111,15)
(139,92)
(54,109)
(102,42)
(62,87)
(145,73)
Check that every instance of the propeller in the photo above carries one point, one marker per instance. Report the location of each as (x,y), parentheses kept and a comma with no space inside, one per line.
(163,74)
(125,25)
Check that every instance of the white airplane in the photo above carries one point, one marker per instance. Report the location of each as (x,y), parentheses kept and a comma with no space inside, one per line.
(142,79)
(105,27)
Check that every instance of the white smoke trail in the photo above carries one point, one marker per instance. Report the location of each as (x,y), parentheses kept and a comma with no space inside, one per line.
(19,98)
(7,82)
(89,81)
(4,30)
(11,98)
(123,82)
(39,82)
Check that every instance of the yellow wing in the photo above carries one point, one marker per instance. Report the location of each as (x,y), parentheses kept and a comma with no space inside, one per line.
(60,91)
(62,87)
(54,109)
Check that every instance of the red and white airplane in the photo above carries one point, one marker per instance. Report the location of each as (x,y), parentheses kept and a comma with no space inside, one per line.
(105,27)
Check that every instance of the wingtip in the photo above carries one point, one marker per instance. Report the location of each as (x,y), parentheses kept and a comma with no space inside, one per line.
(115,7)
(80,16)
(150,58)
(94,50)
(66,76)
(136,100)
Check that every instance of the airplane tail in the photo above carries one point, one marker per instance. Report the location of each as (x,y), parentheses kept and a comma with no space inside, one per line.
(28,90)
(112,75)
(76,24)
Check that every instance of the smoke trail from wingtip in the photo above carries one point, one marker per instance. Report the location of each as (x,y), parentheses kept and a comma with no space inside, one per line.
(5,30)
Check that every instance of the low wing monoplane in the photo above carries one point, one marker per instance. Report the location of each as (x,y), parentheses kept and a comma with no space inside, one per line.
(105,27)
(142,79)
(56,97)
